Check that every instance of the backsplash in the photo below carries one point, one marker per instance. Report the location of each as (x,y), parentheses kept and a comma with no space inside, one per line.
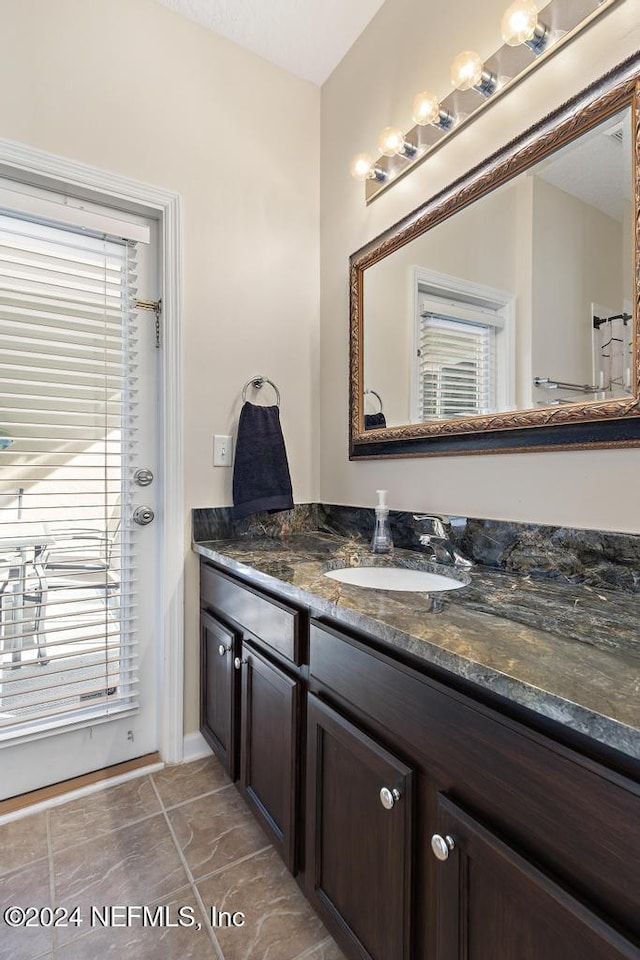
(599,559)
(218,523)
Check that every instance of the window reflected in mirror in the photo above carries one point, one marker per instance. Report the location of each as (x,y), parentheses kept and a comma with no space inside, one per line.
(521,300)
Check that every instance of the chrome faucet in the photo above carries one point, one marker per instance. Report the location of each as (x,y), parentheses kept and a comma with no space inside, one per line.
(437,539)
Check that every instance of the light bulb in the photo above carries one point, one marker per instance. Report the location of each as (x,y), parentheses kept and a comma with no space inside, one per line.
(426,108)
(519,22)
(466,70)
(361,166)
(391,141)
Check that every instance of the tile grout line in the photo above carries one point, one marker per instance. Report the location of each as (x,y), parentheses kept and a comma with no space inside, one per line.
(190,877)
(184,803)
(74,847)
(199,796)
(132,823)
(235,863)
(308,953)
(52,884)
(107,833)
(191,882)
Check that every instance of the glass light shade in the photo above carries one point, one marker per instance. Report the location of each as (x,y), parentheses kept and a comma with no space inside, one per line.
(361,166)
(391,141)
(426,108)
(466,70)
(519,22)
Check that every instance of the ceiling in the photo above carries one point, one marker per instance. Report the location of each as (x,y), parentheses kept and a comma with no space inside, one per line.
(596,168)
(306,37)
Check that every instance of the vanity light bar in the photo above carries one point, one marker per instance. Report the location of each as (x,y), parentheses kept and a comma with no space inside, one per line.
(528,41)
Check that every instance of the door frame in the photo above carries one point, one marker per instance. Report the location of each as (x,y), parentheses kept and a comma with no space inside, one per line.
(49,171)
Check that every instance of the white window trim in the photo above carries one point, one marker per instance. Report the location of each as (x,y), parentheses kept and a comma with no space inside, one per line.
(47,205)
(47,171)
(462,295)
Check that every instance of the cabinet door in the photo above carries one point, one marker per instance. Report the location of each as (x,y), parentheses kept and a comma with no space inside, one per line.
(359,828)
(270,740)
(218,686)
(495,905)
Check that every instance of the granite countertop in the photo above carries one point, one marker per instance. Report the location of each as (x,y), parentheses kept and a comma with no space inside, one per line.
(567,651)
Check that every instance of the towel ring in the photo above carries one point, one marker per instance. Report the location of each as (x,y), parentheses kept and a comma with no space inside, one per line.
(258,383)
(378,398)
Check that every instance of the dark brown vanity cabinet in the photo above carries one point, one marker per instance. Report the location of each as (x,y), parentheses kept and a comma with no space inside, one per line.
(493,904)
(521,848)
(251,700)
(359,836)
(423,822)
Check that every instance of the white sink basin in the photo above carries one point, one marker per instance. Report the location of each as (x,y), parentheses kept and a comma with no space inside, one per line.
(396,578)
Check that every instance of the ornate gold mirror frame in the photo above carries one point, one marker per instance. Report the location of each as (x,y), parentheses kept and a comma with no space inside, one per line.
(581,425)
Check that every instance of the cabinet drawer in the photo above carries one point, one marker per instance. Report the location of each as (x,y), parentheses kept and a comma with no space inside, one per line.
(275,624)
(573,815)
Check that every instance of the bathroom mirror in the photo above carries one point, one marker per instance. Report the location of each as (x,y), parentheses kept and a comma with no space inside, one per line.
(502,314)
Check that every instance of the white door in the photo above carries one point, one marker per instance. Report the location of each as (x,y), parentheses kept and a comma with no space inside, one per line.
(78,421)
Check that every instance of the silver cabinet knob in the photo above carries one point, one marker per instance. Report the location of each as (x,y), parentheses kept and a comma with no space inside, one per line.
(239,661)
(389,798)
(222,649)
(442,846)
(143,515)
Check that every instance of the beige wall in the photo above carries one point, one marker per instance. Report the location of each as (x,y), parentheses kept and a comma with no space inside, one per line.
(130,87)
(408,47)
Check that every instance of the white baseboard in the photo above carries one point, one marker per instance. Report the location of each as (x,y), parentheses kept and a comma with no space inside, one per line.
(195,747)
(80,792)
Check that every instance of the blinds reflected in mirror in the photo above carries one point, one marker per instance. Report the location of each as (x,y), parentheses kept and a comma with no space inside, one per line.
(457,367)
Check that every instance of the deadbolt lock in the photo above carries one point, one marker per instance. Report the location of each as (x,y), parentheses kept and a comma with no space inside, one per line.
(143,515)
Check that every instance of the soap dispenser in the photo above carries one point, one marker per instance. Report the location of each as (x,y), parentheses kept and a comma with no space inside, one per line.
(381,541)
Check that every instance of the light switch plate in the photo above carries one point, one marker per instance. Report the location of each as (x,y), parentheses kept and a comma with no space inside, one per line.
(222,451)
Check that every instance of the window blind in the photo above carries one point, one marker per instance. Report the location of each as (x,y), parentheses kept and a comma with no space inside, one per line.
(68,426)
(457,365)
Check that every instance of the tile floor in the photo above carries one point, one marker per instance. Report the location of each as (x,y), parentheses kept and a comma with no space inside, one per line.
(180,838)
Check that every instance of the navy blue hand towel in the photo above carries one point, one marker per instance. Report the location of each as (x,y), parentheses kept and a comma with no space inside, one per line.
(261,479)
(374,421)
